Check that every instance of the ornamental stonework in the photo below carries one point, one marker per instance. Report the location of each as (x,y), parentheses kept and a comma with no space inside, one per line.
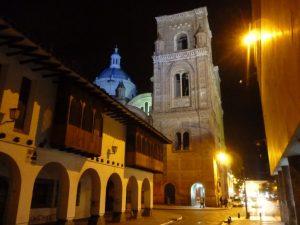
(194,53)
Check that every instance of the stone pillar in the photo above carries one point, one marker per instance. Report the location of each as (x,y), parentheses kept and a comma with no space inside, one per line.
(282,197)
(292,220)
(294,166)
(66,216)
(24,203)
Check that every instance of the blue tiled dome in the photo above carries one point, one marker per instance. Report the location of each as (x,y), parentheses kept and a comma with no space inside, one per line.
(112,73)
(110,78)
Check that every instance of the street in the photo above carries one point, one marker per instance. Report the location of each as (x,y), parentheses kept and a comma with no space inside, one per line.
(188,216)
(217,216)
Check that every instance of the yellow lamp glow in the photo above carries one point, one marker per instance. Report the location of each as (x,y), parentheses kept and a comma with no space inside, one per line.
(251,37)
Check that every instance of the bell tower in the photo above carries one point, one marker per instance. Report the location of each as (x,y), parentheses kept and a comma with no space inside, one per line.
(187,106)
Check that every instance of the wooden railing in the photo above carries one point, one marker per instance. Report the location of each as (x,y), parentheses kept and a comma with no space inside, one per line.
(139,160)
(81,141)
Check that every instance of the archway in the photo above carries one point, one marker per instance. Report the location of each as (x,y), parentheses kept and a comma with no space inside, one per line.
(146,197)
(10,184)
(169,194)
(88,195)
(113,201)
(50,194)
(197,194)
(132,196)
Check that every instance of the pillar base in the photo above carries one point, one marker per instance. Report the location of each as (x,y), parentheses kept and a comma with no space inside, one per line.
(64,222)
(147,212)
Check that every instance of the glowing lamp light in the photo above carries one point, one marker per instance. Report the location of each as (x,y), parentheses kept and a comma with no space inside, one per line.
(253,36)
(222,157)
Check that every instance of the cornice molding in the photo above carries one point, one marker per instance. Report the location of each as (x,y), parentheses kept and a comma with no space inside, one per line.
(198,11)
(180,55)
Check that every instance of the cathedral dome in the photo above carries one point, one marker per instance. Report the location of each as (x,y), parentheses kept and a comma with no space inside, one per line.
(110,78)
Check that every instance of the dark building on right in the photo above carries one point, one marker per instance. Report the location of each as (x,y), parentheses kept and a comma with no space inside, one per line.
(276,24)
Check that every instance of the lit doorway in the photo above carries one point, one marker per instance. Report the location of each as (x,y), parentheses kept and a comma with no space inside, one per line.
(197,194)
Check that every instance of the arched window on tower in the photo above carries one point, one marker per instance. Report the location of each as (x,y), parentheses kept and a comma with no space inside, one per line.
(178,141)
(181,42)
(75,113)
(186,141)
(181,84)
(177,85)
(185,84)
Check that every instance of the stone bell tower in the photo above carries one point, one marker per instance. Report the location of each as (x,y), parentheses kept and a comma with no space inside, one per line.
(187,109)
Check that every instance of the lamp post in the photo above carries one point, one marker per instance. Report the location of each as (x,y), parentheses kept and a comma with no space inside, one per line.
(245,192)
(224,161)
(14,114)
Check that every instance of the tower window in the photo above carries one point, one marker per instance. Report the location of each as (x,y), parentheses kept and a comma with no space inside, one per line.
(181,85)
(178,141)
(182,142)
(186,141)
(181,42)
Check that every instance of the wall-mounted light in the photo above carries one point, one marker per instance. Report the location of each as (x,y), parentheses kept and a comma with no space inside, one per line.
(14,114)
(113,150)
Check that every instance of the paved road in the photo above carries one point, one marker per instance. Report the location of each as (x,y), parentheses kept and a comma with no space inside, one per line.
(180,215)
(207,217)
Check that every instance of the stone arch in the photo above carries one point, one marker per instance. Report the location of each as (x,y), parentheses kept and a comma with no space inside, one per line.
(88,194)
(181,41)
(197,194)
(113,201)
(10,185)
(176,71)
(181,66)
(50,194)
(170,193)
(146,194)
(132,195)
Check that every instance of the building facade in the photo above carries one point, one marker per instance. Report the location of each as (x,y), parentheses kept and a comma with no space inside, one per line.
(277,55)
(187,109)
(72,152)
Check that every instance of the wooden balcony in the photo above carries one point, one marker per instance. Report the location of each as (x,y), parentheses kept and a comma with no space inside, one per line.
(139,160)
(76,140)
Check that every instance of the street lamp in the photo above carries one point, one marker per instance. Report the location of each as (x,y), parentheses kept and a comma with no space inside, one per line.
(245,192)
(224,162)
(14,114)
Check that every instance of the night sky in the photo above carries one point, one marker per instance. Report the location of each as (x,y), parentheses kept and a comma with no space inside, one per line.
(83,35)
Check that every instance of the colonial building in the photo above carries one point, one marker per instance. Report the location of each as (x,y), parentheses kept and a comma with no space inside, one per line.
(276,26)
(68,151)
(187,109)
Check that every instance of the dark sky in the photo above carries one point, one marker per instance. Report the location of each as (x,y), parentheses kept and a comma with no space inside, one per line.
(83,34)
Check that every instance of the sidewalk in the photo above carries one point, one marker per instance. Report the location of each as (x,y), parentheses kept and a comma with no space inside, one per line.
(255,220)
(176,207)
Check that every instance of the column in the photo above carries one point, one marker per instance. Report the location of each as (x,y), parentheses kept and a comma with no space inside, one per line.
(294,166)
(289,196)
(282,197)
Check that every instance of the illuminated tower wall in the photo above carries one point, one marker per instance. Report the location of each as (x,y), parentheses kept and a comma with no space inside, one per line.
(187,108)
